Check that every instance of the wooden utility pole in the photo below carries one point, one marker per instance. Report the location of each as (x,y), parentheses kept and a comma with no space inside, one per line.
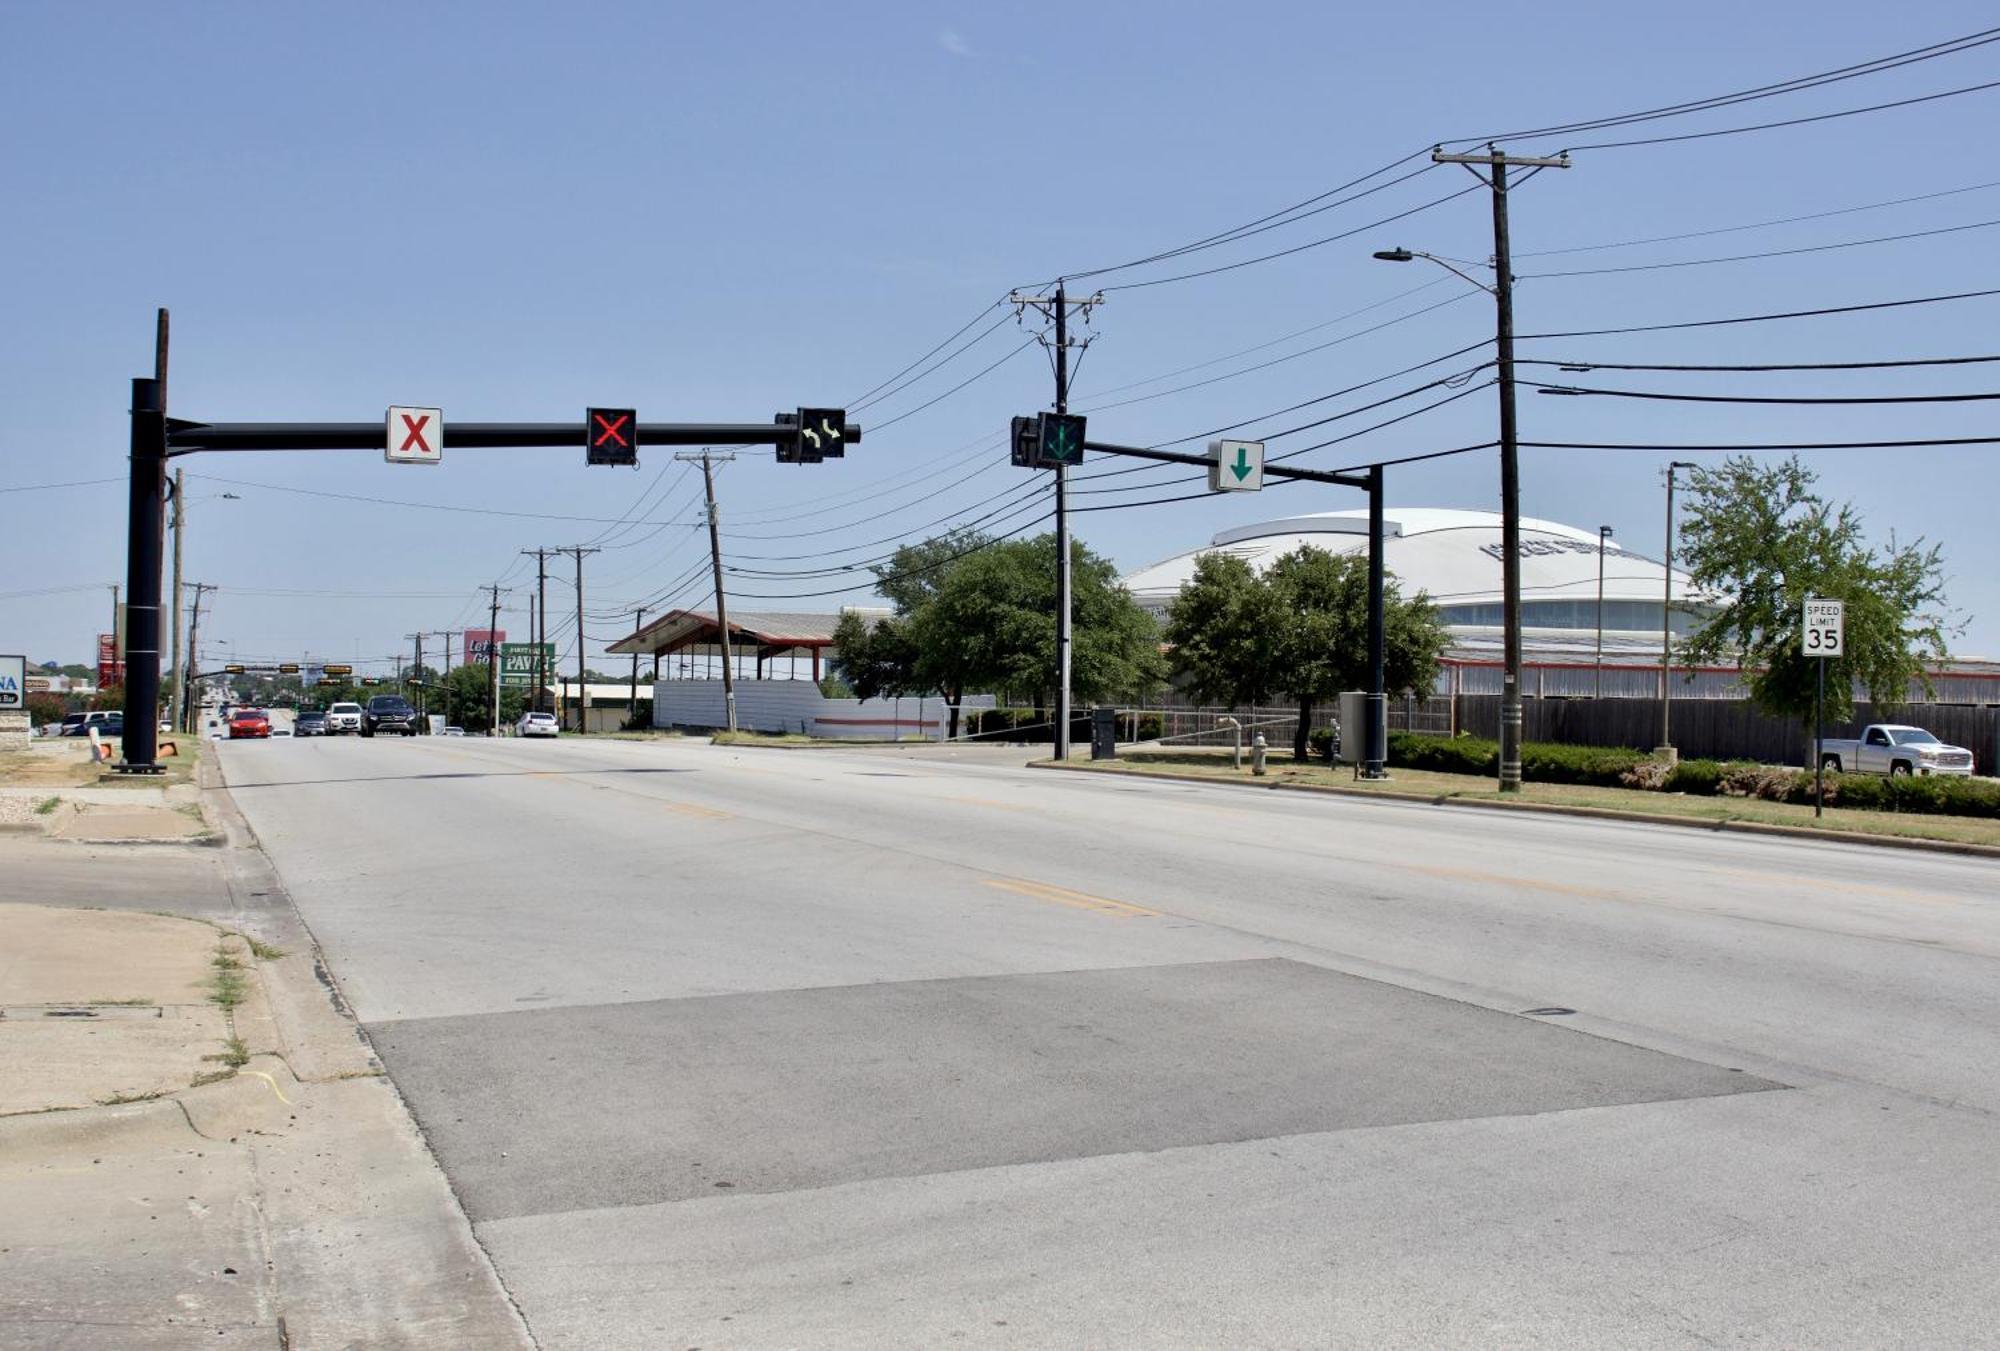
(582,694)
(707,460)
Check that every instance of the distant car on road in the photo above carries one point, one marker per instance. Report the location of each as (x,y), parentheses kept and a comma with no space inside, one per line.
(537,724)
(454,730)
(249,722)
(388,713)
(343,718)
(1894,749)
(310,722)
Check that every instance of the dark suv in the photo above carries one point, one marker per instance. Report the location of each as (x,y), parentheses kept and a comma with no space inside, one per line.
(389,713)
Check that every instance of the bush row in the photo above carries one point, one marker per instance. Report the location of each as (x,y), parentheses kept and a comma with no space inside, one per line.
(1616,767)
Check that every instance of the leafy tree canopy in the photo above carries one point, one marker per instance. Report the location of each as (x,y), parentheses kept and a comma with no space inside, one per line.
(1760,540)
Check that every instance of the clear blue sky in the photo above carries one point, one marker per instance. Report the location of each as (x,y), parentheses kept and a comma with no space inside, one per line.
(717,212)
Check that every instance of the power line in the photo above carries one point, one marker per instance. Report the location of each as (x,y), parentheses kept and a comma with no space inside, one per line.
(1797,84)
(1789,122)
(908,572)
(1771,253)
(45,487)
(1753,225)
(1757,398)
(1769,366)
(1755,446)
(1762,318)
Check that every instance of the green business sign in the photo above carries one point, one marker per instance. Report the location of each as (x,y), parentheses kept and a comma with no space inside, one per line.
(518,662)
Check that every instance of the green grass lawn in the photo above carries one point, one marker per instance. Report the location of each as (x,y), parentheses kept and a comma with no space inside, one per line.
(1429,785)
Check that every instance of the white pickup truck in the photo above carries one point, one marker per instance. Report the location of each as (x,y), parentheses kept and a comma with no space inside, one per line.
(1890,748)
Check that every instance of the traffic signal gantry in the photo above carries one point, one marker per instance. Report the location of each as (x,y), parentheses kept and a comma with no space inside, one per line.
(1058,441)
(407,435)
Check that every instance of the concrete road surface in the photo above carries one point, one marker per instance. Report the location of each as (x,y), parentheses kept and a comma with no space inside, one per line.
(739,1048)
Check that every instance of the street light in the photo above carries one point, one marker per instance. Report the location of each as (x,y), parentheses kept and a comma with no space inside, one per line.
(1603,534)
(1667,618)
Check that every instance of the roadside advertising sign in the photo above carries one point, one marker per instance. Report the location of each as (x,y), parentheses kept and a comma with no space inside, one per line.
(13,682)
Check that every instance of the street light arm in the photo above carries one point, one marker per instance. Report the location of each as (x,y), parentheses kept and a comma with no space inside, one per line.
(1490,290)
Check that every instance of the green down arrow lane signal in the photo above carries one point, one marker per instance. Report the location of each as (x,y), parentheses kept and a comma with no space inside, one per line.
(1235,466)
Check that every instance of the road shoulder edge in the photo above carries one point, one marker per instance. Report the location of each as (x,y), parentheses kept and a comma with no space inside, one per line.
(1957,847)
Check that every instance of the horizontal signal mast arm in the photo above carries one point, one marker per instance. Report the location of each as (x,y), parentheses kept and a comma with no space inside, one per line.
(184,437)
(1203,461)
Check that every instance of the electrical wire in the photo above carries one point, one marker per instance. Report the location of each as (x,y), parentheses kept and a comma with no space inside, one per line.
(1754,225)
(1757,398)
(1770,253)
(1761,318)
(910,572)
(1788,122)
(1756,446)
(1769,366)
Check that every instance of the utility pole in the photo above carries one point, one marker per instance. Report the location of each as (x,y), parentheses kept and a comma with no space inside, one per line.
(493,658)
(417,670)
(1667,618)
(186,676)
(632,703)
(174,657)
(582,696)
(1498,163)
(538,630)
(706,459)
(1057,308)
(1603,534)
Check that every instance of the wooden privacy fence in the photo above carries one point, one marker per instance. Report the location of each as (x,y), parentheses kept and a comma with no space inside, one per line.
(1721,729)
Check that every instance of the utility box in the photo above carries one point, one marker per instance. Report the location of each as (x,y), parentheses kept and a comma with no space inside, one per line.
(1104,733)
(1353,706)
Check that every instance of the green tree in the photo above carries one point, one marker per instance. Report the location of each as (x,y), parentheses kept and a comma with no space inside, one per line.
(465,697)
(1223,631)
(1758,541)
(973,613)
(1323,644)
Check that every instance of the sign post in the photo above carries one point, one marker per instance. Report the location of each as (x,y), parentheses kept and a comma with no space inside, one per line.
(1823,635)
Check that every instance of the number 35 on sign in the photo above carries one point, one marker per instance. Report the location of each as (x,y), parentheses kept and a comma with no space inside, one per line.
(1825,628)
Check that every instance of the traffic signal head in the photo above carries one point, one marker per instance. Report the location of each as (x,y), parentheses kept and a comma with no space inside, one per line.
(611,436)
(788,448)
(1061,439)
(288,668)
(1026,442)
(232,669)
(338,670)
(371,680)
(822,434)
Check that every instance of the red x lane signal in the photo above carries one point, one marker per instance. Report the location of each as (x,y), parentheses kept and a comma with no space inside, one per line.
(611,436)
(415,436)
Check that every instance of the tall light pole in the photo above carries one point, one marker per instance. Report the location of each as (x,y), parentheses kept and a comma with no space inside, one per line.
(1603,534)
(1667,619)
(1497,163)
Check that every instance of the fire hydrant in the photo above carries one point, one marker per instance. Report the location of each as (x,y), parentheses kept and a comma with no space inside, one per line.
(1257,748)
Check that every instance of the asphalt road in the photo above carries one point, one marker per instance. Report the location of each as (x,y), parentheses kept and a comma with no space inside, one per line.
(738,1048)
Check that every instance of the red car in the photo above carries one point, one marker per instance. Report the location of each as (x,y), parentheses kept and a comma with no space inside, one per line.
(246,722)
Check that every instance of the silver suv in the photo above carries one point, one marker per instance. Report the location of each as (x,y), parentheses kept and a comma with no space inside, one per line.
(343,719)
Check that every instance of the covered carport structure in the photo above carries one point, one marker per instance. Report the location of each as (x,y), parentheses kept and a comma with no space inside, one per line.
(769,636)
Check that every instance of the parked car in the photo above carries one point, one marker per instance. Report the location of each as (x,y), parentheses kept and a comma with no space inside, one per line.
(343,718)
(389,713)
(454,730)
(1892,748)
(249,722)
(536,724)
(310,722)
(107,721)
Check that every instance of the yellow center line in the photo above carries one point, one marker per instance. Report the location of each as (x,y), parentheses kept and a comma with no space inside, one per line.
(1042,891)
(695,810)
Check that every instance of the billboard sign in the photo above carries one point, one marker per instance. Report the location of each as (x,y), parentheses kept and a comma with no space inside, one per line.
(110,670)
(479,643)
(517,662)
(13,682)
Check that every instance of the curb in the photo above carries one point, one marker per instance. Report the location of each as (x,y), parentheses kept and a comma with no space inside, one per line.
(1559,809)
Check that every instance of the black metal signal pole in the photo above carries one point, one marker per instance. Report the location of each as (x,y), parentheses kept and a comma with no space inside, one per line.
(145,503)
(1374,742)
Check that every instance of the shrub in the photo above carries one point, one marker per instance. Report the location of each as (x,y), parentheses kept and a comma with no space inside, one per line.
(1939,796)
(1549,762)
(1647,775)
(1771,783)
(1447,755)
(1696,778)
(1319,742)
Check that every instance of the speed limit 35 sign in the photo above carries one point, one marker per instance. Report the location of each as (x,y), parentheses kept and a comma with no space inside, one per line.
(1824,634)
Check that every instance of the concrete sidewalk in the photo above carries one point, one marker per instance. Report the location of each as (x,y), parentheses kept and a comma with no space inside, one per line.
(197,1148)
